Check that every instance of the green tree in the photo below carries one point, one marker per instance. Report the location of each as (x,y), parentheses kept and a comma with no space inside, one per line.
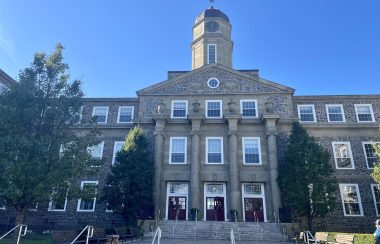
(306,176)
(376,171)
(129,186)
(40,154)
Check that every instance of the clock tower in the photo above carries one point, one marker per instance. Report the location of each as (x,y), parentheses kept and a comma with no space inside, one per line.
(211,39)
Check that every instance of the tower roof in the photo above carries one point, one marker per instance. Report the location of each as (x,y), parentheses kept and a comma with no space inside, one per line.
(213,13)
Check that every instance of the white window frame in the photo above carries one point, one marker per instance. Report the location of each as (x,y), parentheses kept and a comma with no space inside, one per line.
(335,105)
(57,210)
(114,151)
(221,109)
(172,110)
(178,194)
(101,154)
(350,154)
(365,154)
(108,210)
(374,198)
(299,106)
(209,194)
(82,183)
(258,146)
(341,187)
(171,148)
(213,78)
(222,149)
(248,195)
(119,113)
(208,53)
(241,108)
(93,113)
(357,115)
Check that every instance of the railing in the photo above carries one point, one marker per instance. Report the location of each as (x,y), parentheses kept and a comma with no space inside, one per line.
(21,232)
(232,236)
(308,237)
(90,233)
(281,227)
(157,235)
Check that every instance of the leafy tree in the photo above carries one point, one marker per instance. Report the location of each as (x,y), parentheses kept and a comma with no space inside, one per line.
(306,176)
(129,186)
(40,154)
(376,171)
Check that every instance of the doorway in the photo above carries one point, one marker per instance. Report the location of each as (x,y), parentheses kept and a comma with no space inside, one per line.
(215,209)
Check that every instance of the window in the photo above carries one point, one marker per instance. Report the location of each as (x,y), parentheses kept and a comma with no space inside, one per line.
(335,113)
(108,208)
(343,155)
(179,109)
(58,199)
(352,205)
(116,148)
(214,109)
(87,204)
(213,83)
(251,150)
(100,114)
(214,150)
(376,197)
(178,147)
(125,114)
(211,53)
(306,113)
(248,108)
(370,155)
(96,151)
(364,113)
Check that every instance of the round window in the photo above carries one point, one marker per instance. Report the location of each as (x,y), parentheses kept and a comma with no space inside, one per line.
(213,82)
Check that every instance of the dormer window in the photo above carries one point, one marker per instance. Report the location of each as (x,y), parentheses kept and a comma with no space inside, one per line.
(211,53)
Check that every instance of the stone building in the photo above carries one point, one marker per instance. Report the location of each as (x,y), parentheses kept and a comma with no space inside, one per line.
(218,135)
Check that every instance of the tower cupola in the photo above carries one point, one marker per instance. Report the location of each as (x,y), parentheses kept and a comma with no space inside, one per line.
(211,39)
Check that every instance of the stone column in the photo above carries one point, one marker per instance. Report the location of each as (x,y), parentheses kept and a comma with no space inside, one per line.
(158,149)
(235,196)
(270,127)
(195,196)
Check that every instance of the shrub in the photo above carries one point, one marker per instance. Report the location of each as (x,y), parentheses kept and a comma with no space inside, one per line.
(364,239)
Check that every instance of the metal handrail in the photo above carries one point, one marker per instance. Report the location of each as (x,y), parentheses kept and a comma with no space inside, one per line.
(21,232)
(308,237)
(90,233)
(232,236)
(158,235)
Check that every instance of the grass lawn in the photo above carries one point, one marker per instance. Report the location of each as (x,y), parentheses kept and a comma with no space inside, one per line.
(31,238)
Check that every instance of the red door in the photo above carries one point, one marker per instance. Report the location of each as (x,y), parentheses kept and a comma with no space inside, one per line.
(177,207)
(254,209)
(215,208)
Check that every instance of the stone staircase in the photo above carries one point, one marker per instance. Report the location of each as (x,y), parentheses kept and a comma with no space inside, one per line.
(211,230)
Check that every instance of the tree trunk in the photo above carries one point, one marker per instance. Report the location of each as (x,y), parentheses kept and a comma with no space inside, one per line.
(310,222)
(20,219)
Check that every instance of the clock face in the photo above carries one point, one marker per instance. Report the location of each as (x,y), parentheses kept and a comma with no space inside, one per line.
(212,26)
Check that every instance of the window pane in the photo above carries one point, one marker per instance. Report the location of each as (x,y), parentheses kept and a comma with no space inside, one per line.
(342,155)
(335,113)
(100,114)
(211,54)
(126,114)
(251,151)
(213,109)
(178,150)
(306,113)
(370,154)
(364,113)
(179,109)
(350,199)
(249,108)
(214,153)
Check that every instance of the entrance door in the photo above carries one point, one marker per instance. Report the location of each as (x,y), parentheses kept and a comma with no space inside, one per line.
(253,208)
(177,207)
(215,208)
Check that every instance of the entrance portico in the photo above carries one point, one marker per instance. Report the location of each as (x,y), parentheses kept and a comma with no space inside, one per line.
(215,207)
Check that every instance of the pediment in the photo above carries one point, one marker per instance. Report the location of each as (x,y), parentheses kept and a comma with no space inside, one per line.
(231,82)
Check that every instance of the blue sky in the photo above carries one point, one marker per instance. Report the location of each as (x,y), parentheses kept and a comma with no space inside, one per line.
(118,47)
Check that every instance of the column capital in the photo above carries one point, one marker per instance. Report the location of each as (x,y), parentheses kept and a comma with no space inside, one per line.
(159,133)
(271,133)
(232,133)
(195,133)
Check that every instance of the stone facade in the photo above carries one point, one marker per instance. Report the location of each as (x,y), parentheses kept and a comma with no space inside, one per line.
(247,145)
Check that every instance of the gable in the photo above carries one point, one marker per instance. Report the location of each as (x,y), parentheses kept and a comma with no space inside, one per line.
(231,82)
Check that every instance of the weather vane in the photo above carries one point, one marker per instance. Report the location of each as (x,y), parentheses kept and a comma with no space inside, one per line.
(212,2)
